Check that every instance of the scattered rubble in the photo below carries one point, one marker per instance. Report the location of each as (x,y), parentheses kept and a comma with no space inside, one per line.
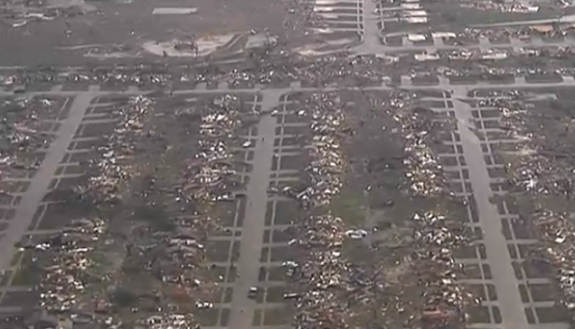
(24,135)
(338,291)
(326,166)
(111,168)
(206,172)
(149,269)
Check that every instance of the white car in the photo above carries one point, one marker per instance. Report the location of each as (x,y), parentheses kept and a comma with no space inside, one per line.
(356,234)
(253,292)
(204,305)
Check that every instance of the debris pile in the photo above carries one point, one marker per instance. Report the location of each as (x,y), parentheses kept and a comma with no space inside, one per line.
(177,285)
(267,67)
(538,164)
(422,168)
(66,276)
(336,291)
(21,133)
(322,303)
(436,237)
(208,173)
(147,271)
(72,281)
(558,239)
(326,161)
(112,165)
(20,13)
(241,79)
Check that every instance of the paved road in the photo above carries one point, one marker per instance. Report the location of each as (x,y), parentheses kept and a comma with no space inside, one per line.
(254,223)
(41,181)
(371,33)
(499,259)
(555,20)
(568,81)
(370,47)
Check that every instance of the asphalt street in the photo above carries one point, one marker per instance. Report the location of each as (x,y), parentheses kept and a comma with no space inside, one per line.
(243,308)
(406,83)
(495,243)
(370,47)
(371,34)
